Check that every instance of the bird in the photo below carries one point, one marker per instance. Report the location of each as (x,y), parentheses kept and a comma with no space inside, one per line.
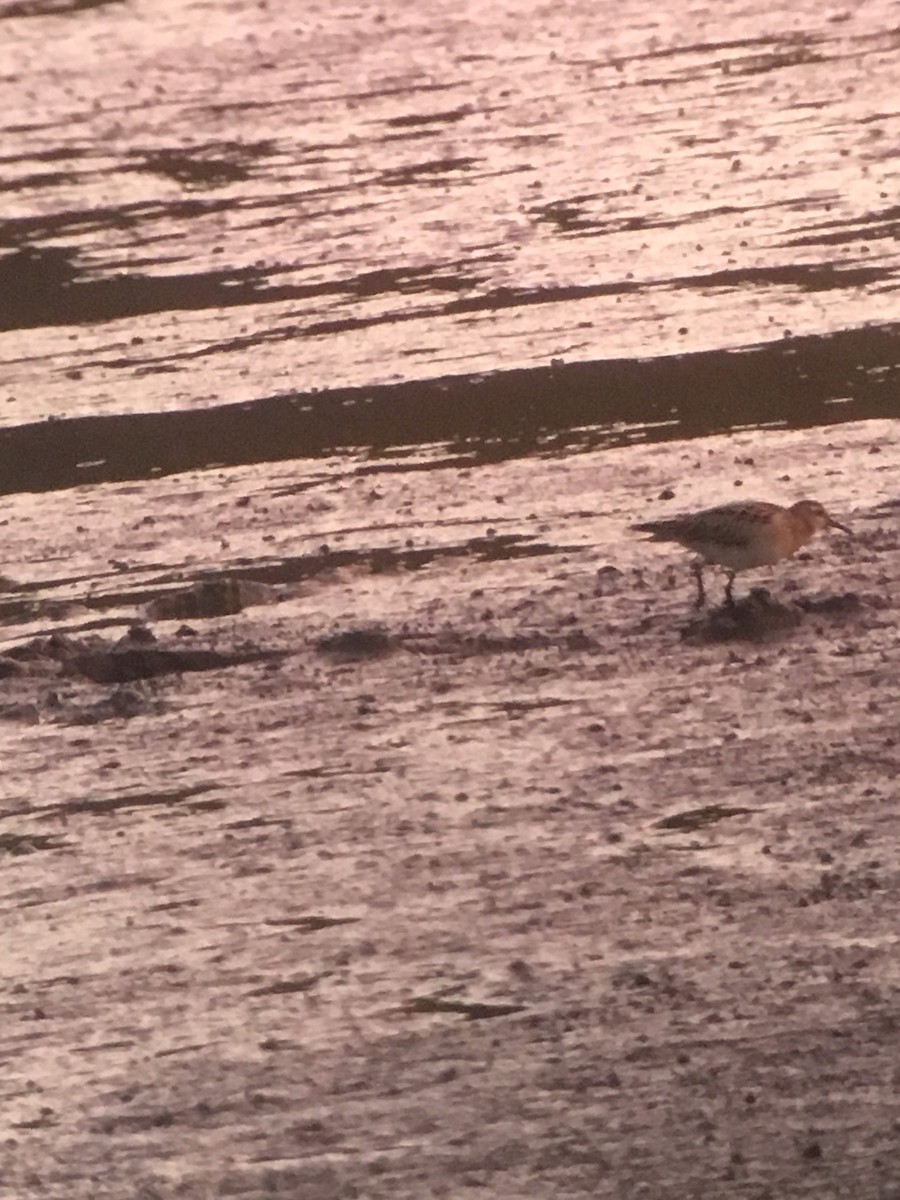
(742,534)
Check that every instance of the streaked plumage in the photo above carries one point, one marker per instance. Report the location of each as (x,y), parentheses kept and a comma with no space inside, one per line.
(741,535)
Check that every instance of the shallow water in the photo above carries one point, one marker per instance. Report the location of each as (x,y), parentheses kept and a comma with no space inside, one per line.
(212,204)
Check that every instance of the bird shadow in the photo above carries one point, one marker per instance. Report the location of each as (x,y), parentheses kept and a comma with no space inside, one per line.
(759,616)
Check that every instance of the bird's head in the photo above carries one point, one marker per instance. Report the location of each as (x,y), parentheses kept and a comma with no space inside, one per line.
(815,516)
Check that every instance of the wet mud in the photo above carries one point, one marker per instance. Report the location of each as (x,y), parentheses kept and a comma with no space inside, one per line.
(378,816)
(456,865)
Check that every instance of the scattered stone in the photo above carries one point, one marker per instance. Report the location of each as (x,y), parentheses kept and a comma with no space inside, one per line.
(140,634)
(609,580)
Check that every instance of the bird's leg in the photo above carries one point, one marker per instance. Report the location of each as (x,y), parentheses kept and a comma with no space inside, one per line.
(729,598)
(697,568)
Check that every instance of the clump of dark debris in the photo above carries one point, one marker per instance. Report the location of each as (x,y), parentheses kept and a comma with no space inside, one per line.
(352,645)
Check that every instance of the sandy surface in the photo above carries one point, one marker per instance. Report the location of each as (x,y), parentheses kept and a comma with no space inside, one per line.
(507,875)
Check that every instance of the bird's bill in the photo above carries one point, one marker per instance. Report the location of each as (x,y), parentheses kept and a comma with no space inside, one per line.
(833,524)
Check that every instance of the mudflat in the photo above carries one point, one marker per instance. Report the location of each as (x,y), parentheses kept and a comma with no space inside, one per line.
(454,852)
(378,818)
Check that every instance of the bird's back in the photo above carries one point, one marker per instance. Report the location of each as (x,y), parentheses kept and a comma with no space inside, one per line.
(741,534)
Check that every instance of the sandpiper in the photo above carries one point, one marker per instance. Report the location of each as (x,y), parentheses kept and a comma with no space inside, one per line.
(743,534)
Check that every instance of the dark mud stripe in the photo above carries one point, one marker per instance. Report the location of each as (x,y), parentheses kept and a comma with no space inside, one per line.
(50,8)
(47,285)
(98,806)
(793,383)
(472,1009)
